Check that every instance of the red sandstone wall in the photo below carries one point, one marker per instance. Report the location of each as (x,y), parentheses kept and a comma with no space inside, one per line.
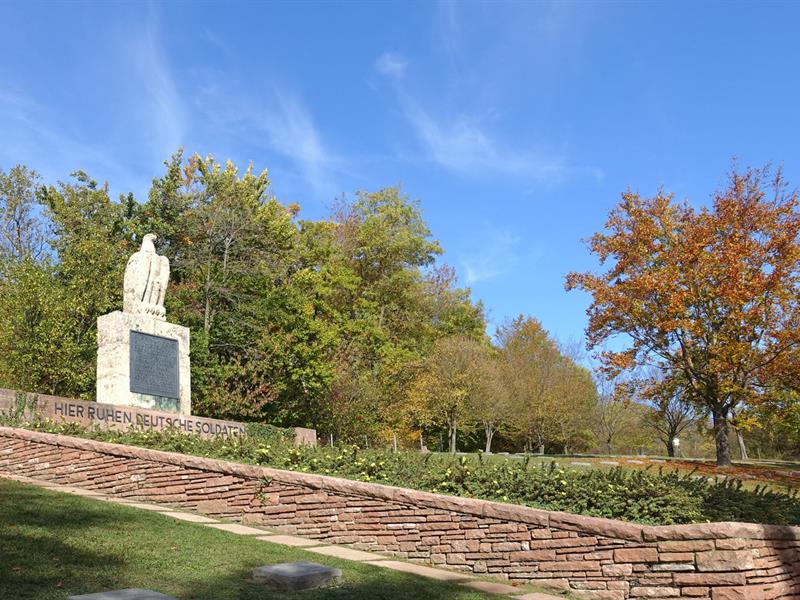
(596,559)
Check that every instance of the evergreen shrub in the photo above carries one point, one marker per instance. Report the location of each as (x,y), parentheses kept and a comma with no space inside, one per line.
(659,497)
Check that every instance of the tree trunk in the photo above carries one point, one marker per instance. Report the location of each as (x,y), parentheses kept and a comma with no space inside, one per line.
(541,448)
(742,446)
(452,435)
(489,435)
(670,447)
(720,418)
(394,441)
(207,290)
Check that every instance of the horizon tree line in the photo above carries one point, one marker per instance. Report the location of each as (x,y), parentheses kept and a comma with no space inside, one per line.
(351,324)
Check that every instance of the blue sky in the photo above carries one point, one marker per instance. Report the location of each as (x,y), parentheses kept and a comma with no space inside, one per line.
(516,125)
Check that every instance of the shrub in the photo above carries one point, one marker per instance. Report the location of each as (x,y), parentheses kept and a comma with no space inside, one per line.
(642,496)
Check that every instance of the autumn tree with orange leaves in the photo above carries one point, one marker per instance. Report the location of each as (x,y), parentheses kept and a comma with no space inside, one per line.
(708,295)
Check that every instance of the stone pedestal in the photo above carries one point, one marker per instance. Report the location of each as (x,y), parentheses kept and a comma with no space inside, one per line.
(137,364)
(126,594)
(289,577)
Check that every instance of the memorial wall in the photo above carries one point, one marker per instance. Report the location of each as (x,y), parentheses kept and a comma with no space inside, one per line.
(121,418)
(590,558)
(143,366)
(112,416)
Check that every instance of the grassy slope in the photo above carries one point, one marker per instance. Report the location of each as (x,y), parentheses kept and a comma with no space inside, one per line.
(53,545)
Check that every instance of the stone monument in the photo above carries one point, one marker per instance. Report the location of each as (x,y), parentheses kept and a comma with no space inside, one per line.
(142,360)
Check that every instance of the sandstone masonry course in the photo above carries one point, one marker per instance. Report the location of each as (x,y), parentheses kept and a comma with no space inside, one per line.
(595,559)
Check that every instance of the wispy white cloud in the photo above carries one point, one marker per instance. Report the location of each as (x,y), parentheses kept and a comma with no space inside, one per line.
(487,48)
(291,131)
(499,254)
(462,145)
(448,26)
(277,120)
(148,119)
(48,143)
(464,142)
(391,64)
(165,111)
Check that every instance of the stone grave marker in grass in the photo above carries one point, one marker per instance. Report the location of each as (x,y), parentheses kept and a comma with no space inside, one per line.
(301,575)
(126,594)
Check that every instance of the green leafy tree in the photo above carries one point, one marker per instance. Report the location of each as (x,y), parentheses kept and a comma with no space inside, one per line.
(50,303)
(450,384)
(295,322)
(21,235)
(387,304)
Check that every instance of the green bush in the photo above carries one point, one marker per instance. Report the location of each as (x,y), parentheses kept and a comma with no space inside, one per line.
(642,496)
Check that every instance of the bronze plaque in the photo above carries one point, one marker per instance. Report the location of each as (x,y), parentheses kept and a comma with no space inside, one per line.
(154,365)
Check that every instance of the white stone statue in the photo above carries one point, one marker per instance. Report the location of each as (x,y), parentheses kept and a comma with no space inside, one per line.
(146,279)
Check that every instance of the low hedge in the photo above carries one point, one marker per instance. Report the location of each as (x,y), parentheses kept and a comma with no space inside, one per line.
(656,497)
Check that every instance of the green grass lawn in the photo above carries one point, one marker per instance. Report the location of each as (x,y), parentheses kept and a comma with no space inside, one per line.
(53,545)
(778,475)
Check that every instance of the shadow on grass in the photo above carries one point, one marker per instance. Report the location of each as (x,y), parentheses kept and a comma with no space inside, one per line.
(34,563)
(54,545)
(401,587)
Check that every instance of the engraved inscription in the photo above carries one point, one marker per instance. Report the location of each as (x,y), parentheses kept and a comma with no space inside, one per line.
(154,365)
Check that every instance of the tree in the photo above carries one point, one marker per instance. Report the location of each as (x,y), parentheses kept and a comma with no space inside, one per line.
(670,412)
(233,249)
(492,406)
(710,293)
(618,421)
(49,303)
(449,384)
(21,234)
(530,368)
(297,322)
(577,396)
(387,303)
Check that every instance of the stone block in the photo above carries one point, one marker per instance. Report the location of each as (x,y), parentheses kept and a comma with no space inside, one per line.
(301,575)
(686,546)
(617,570)
(676,556)
(710,579)
(114,358)
(673,567)
(598,594)
(636,555)
(725,560)
(126,594)
(748,592)
(655,592)
(577,565)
